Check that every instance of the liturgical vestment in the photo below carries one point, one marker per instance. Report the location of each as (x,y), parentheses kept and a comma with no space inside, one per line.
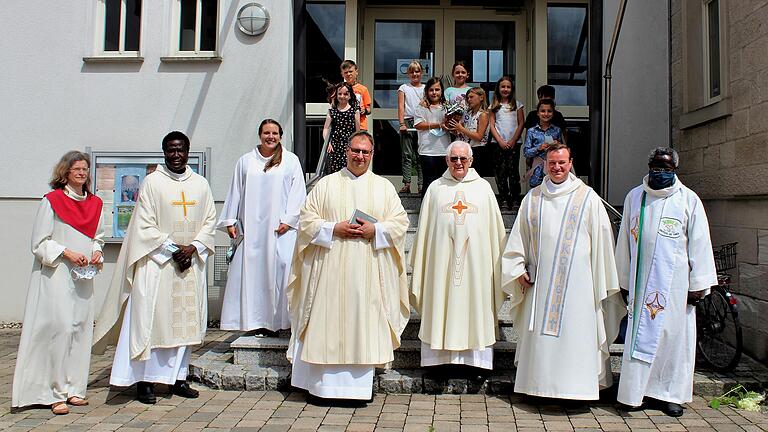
(163,308)
(258,202)
(348,297)
(55,346)
(456,261)
(567,320)
(659,262)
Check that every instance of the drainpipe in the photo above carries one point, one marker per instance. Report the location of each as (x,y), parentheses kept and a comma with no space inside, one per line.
(607,93)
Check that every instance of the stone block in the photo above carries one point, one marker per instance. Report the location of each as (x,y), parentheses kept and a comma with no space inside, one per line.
(728,154)
(753,281)
(390,382)
(746,237)
(762,247)
(433,384)
(455,386)
(501,384)
(735,64)
(712,157)
(743,94)
(233,377)
(413,381)
(255,379)
(716,131)
(691,161)
(737,125)
(278,378)
(212,375)
(751,150)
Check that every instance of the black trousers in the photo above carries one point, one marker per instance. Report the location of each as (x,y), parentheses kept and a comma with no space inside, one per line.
(432,168)
(506,171)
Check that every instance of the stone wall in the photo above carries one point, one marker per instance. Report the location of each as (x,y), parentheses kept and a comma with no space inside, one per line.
(725,159)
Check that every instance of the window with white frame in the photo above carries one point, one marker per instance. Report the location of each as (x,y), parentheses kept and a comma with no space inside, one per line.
(711,16)
(196,24)
(119,22)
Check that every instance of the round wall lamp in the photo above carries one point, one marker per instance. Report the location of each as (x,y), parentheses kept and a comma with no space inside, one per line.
(253,19)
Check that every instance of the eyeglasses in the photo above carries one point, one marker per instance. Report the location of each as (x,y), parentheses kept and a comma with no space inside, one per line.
(662,170)
(458,158)
(360,151)
(85,170)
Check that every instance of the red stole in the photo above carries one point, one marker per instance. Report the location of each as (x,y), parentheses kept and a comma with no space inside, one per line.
(80,215)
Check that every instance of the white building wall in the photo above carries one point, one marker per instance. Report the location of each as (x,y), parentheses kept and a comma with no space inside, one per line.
(640,100)
(53,102)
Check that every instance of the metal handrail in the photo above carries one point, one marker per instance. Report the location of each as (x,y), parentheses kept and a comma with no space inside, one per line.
(320,168)
(607,93)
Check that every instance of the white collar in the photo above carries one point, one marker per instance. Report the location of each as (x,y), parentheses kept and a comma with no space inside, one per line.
(175,176)
(70,192)
(261,157)
(551,189)
(349,174)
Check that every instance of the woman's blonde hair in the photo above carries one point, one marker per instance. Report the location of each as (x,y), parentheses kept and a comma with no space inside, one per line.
(61,170)
(480,92)
(413,65)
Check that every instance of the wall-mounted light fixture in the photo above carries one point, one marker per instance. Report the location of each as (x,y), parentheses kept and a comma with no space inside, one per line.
(253,19)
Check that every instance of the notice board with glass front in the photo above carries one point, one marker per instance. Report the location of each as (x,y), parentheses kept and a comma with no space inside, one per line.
(116,177)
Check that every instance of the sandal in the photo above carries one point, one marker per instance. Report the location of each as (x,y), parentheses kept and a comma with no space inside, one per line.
(77,401)
(406,188)
(60,408)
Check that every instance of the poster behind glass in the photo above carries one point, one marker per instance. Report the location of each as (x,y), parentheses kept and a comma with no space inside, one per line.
(117,180)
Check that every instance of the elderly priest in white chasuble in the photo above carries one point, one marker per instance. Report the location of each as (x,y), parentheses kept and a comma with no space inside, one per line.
(456,287)
(665,262)
(559,269)
(157,301)
(348,293)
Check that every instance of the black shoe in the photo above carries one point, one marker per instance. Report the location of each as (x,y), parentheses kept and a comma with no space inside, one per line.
(145,392)
(672,409)
(182,388)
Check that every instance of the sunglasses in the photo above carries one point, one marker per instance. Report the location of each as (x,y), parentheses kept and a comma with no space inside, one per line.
(458,158)
(662,170)
(361,151)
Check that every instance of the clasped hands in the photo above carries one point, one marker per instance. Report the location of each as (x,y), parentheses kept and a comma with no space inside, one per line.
(183,256)
(525,281)
(80,260)
(362,229)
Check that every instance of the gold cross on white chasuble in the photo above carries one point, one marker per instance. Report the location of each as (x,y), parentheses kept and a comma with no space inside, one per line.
(184,203)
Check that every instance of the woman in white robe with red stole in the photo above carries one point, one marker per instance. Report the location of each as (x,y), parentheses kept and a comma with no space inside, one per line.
(55,347)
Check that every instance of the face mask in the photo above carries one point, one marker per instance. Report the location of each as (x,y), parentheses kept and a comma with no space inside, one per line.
(660,180)
(437,132)
(85,272)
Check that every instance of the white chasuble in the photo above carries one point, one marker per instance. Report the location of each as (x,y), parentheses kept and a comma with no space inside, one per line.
(659,261)
(569,317)
(168,308)
(456,286)
(348,297)
(258,202)
(55,346)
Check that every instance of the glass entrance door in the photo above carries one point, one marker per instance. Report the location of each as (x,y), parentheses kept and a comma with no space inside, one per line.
(489,43)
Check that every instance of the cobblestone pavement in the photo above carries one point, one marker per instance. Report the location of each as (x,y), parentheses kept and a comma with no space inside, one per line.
(115,409)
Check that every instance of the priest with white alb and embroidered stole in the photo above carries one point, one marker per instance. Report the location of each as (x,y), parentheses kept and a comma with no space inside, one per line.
(665,262)
(456,286)
(157,302)
(348,294)
(559,269)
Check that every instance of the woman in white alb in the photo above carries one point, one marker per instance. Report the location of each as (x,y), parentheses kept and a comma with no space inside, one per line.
(67,237)
(263,206)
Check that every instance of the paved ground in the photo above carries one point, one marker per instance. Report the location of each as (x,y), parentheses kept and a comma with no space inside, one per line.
(115,409)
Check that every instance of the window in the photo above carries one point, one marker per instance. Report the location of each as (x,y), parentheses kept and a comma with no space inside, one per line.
(197,24)
(567,46)
(118,28)
(712,48)
(703,74)
(325,47)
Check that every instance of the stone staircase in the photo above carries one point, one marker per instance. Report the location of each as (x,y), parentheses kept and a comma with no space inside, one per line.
(258,363)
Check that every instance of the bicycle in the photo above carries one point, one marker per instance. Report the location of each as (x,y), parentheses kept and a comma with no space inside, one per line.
(719,339)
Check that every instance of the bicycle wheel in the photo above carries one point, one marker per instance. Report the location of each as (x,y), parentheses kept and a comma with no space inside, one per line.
(718,331)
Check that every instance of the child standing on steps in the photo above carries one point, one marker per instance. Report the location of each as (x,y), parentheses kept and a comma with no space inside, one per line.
(433,136)
(342,120)
(349,73)
(506,127)
(408,98)
(539,139)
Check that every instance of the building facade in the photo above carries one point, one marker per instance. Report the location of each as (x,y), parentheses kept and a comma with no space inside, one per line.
(117,75)
(719,61)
